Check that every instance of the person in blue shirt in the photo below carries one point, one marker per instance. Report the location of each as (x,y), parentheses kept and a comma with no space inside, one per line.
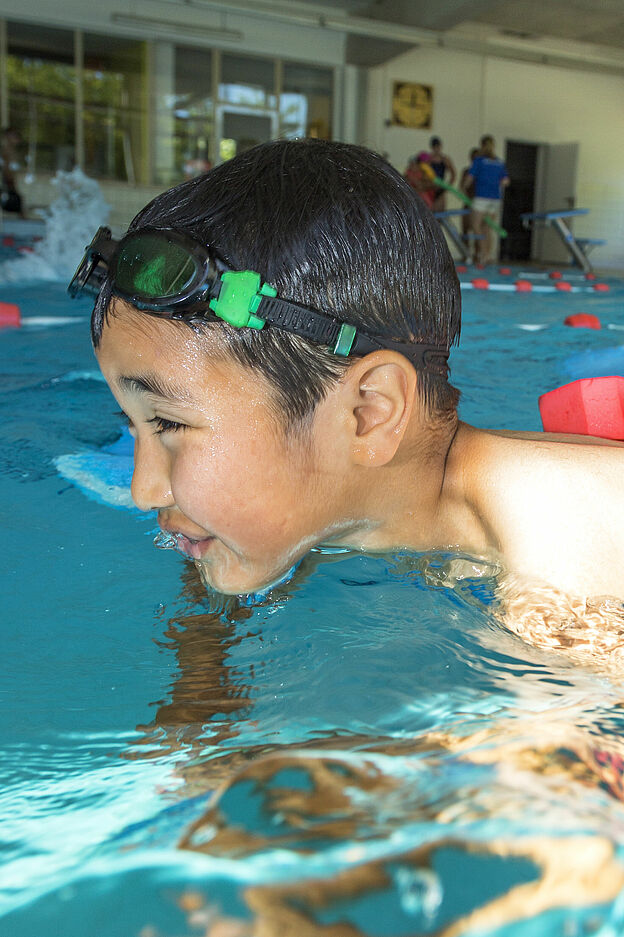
(488,174)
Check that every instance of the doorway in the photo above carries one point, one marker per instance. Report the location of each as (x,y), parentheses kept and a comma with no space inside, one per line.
(521,161)
(543,178)
(555,190)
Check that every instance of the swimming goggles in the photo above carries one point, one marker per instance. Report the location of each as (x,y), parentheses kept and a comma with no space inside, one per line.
(167,273)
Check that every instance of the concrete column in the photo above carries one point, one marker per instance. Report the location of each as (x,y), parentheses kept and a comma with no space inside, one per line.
(162,79)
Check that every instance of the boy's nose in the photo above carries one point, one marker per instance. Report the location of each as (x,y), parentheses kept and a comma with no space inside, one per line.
(151,483)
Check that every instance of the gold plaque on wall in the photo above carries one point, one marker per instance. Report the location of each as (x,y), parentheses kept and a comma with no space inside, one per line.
(412,105)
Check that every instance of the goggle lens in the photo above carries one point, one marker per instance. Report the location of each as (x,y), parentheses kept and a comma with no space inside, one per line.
(147,268)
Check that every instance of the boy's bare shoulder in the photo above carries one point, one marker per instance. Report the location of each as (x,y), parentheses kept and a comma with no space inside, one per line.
(557,506)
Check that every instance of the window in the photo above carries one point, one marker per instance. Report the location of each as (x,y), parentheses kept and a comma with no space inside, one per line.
(114,107)
(193,111)
(41,91)
(151,111)
(306,101)
(247,82)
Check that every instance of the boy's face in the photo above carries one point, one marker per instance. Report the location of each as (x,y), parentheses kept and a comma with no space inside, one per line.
(210,455)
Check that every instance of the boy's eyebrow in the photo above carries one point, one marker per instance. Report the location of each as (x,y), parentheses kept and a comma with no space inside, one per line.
(151,383)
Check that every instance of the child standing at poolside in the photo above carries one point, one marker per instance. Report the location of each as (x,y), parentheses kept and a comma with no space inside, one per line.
(311,404)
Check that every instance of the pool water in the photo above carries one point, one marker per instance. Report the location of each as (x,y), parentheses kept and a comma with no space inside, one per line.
(365,750)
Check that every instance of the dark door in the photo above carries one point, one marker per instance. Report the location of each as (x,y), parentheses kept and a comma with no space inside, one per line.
(521,161)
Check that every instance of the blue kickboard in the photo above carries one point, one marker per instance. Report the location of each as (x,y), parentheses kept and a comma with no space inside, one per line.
(104,475)
(603,362)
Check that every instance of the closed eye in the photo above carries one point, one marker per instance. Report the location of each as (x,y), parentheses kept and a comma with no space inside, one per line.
(165,426)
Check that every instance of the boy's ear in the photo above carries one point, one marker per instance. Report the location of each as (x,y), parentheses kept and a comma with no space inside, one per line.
(380,394)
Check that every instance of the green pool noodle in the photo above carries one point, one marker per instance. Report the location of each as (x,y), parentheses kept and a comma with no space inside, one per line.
(468,202)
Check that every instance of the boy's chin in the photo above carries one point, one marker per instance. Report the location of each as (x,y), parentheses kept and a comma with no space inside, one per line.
(241,582)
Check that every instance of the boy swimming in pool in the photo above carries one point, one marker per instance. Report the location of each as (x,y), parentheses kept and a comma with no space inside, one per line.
(309,402)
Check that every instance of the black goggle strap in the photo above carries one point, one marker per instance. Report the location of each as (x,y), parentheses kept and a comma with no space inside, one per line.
(240,298)
(345,339)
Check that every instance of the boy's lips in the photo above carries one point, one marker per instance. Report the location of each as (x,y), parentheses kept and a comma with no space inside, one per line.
(193,548)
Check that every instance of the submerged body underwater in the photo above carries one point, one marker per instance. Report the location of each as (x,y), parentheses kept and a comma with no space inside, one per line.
(365,749)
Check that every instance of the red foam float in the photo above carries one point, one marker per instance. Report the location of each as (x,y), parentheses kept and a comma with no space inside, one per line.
(8,241)
(590,276)
(10,316)
(505,271)
(461,268)
(563,286)
(582,320)
(480,283)
(601,287)
(523,286)
(555,275)
(593,406)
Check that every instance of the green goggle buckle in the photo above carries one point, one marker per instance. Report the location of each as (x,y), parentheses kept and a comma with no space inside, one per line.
(239,298)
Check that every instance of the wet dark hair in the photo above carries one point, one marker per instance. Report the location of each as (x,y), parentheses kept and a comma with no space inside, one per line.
(435,141)
(332,226)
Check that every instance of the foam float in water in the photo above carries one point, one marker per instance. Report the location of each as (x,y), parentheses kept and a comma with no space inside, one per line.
(523,286)
(103,475)
(601,287)
(606,362)
(563,286)
(593,406)
(10,316)
(555,274)
(480,283)
(505,271)
(582,320)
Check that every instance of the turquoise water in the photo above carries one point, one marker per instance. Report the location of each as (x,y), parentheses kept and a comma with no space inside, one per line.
(366,747)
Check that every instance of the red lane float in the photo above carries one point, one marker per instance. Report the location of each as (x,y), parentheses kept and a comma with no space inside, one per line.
(555,275)
(583,320)
(505,271)
(10,316)
(523,286)
(601,287)
(563,286)
(480,283)
(590,276)
(593,406)
(8,241)
(461,268)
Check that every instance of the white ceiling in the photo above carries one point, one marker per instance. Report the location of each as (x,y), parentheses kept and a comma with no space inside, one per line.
(594,21)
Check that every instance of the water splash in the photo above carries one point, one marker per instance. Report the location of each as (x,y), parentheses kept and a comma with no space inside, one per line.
(168,541)
(70,223)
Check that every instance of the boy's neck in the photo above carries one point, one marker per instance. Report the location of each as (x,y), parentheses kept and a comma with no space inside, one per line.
(419,501)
